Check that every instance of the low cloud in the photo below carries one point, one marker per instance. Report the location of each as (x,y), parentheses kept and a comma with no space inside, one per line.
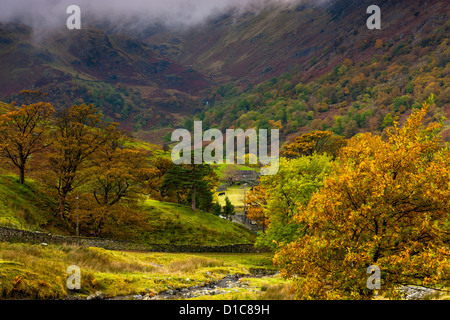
(45,14)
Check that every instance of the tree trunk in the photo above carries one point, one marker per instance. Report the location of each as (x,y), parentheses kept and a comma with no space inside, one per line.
(62,205)
(22,174)
(193,200)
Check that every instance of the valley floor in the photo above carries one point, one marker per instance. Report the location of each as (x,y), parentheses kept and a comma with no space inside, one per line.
(40,272)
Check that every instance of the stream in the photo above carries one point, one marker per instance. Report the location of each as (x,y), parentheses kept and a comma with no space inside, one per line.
(228,284)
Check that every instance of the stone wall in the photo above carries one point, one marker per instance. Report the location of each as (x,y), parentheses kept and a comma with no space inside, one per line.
(17,235)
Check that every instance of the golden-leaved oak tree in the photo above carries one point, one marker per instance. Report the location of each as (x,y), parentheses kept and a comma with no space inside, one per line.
(314,142)
(116,180)
(78,132)
(23,132)
(386,204)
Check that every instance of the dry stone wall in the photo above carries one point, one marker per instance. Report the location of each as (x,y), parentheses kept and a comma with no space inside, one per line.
(18,235)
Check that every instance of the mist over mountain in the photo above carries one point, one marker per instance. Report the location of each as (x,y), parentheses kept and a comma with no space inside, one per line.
(133,14)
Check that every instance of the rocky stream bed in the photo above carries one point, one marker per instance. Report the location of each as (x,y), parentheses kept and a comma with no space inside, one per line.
(228,284)
(233,283)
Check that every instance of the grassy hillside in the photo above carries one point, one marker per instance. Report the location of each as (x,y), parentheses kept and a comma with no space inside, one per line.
(33,206)
(4,107)
(173,223)
(26,207)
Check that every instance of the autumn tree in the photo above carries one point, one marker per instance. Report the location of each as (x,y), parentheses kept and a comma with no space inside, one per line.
(313,142)
(23,132)
(79,131)
(116,177)
(122,220)
(256,201)
(385,204)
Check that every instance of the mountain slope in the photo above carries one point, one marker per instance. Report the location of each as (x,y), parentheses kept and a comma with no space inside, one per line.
(321,68)
(259,45)
(91,54)
(128,81)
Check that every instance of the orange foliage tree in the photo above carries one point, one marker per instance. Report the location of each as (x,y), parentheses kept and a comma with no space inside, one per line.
(116,180)
(386,204)
(79,131)
(23,132)
(314,142)
(256,200)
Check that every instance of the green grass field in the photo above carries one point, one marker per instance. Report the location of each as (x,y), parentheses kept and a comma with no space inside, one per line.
(235,194)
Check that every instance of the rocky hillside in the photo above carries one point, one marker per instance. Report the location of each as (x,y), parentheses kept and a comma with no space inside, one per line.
(125,78)
(259,45)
